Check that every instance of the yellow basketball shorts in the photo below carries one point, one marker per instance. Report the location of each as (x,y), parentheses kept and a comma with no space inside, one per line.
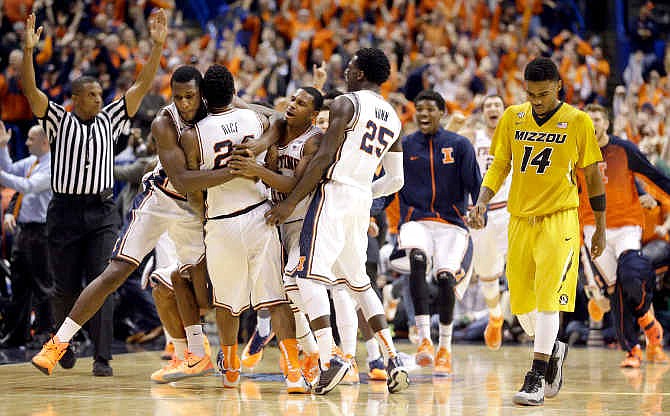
(543,262)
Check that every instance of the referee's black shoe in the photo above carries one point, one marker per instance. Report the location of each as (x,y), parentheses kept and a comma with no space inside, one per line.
(101,368)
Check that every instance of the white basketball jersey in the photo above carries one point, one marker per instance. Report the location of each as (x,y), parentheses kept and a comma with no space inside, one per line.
(217,134)
(485,159)
(369,135)
(160,178)
(288,158)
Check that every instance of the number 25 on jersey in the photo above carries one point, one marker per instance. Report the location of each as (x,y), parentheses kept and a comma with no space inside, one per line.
(376,139)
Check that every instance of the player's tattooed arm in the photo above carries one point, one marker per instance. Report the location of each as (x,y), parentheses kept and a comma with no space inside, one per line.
(477,215)
(341,112)
(173,158)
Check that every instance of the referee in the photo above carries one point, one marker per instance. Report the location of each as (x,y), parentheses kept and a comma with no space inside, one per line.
(81,220)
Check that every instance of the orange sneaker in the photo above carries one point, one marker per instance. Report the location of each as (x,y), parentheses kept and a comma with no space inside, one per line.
(656,355)
(158,376)
(168,352)
(352,376)
(377,370)
(493,333)
(425,353)
(442,363)
(231,366)
(252,353)
(51,352)
(310,366)
(191,366)
(633,358)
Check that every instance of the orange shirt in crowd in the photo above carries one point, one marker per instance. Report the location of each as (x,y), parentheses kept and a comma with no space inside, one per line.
(17,10)
(13,104)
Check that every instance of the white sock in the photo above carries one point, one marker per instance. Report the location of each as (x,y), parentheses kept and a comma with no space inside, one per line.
(168,337)
(423,326)
(546,330)
(373,349)
(445,336)
(324,337)
(179,347)
(495,312)
(263,324)
(304,334)
(491,290)
(196,340)
(347,321)
(67,330)
(386,342)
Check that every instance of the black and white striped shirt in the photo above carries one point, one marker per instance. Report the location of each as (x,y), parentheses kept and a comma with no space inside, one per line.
(82,152)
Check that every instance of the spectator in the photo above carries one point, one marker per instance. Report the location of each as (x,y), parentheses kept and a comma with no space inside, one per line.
(14,107)
(32,285)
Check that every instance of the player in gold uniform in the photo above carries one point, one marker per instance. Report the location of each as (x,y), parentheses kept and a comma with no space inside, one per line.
(543,142)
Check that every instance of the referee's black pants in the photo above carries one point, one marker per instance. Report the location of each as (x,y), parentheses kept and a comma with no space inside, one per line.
(32,284)
(82,230)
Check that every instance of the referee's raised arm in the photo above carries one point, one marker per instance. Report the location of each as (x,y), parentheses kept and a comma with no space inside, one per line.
(37,99)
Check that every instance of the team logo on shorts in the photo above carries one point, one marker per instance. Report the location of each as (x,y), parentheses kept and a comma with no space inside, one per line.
(563,300)
(301,264)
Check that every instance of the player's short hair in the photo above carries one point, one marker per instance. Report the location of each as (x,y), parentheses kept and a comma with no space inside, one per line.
(316,96)
(79,83)
(186,73)
(541,69)
(218,86)
(490,96)
(597,108)
(374,64)
(431,95)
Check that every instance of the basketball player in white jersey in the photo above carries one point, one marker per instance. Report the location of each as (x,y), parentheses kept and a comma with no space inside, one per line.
(490,243)
(363,131)
(160,208)
(243,252)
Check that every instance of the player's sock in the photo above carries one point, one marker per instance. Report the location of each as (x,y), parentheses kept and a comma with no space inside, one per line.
(304,334)
(324,338)
(423,326)
(540,366)
(196,340)
(372,346)
(491,291)
(546,329)
(179,347)
(652,329)
(445,336)
(347,321)
(386,342)
(263,323)
(67,330)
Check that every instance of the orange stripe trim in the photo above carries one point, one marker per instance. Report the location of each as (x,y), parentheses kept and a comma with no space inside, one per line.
(644,295)
(317,216)
(497,205)
(410,211)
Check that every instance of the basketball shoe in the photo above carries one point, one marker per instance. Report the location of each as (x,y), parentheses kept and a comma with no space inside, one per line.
(352,376)
(51,352)
(191,366)
(168,352)
(442,363)
(310,366)
(158,376)
(230,366)
(554,375)
(493,333)
(532,392)
(252,353)
(425,353)
(331,377)
(398,379)
(633,358)
(377,369)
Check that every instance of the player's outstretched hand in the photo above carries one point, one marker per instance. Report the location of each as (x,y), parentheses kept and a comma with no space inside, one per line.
(279,213)
(598,243)
(476,217)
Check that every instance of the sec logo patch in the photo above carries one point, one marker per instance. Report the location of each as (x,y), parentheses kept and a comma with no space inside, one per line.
(563,300)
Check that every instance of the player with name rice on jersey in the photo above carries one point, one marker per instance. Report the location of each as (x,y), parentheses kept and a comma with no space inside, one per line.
(543,142)
(243,252)
(363,131)
(490,244)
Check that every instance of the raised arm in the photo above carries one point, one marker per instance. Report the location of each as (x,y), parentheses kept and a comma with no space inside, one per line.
(158,31)
(37,99)
(341,112)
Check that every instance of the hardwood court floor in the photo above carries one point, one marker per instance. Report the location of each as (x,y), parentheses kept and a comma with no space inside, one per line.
(483,384)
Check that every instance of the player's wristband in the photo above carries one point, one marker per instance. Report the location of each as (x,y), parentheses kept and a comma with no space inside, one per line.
(598,202)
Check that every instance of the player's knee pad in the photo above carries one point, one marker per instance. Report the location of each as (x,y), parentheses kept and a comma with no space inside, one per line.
(527,322)
(418,259)
(634,270)
(447,277)
(658,253)
(490,288)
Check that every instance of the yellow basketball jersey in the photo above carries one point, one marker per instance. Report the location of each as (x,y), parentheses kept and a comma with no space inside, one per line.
(543,158)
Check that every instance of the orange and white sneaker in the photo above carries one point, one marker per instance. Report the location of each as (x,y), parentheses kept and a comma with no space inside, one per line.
(191,366)
(296,382)
(493,333)
(656,355)
(377,370)
(352,377)
(208,348)
(310,367)
(231,366)
(442,363)
(425,353)
(168,352)
(158,376)
(51,353)
(633,358)
(252,353)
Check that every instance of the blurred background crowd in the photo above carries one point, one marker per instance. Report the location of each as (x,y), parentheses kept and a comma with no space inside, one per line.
(611,52)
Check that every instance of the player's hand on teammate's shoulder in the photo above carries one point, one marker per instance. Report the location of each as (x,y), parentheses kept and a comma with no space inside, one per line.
(279,213)
(244,165)
(477,217)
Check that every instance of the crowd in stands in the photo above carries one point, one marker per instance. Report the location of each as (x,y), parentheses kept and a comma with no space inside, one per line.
(463,49)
